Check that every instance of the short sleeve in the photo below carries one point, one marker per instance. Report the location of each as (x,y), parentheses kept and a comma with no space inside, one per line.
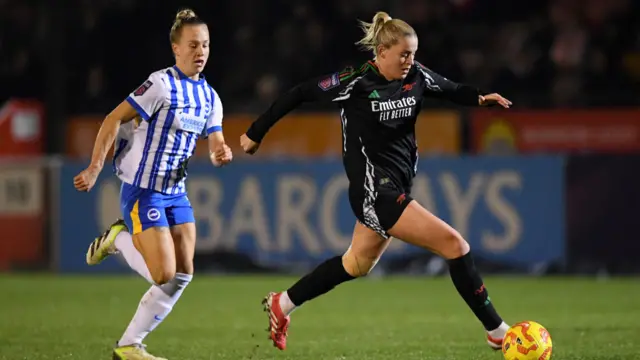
(214,120)
(149,97)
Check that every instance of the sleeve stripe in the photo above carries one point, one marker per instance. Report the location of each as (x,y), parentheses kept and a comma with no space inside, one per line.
(138,108)
(214,129)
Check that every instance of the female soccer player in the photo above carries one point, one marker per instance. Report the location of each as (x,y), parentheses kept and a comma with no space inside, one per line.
(157,236)
(379,103)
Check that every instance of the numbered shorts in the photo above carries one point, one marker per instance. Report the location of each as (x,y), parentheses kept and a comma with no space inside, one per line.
(143,208)
(379,209)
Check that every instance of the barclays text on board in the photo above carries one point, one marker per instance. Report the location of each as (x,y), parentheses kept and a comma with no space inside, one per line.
(509,209)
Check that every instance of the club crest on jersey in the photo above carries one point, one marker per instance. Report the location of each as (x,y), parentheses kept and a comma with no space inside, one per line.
(329,82)
(143,88)
(408,87)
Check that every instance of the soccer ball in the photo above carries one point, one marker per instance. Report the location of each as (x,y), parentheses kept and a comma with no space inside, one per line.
(527,340)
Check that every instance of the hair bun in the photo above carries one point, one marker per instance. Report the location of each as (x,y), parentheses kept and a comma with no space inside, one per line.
(381,15)
(185,14)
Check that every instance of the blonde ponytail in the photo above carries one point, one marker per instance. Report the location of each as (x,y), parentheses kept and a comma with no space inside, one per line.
(383,30)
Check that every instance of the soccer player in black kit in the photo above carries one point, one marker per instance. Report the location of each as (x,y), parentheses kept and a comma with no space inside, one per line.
(379,103)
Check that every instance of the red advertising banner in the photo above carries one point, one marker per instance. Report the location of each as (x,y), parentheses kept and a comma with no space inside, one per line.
(612,131)
(22,218)
(21,128)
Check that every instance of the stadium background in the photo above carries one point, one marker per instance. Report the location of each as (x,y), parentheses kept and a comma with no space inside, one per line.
(547,187)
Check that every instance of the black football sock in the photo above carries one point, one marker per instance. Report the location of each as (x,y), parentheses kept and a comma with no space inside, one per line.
(321,280)
(470,286)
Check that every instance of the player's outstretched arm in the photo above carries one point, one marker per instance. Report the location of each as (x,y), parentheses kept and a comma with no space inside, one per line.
(493,99)
(106,136)
(123,113)
(144,102)
(436,85)
(323,88)
(284,104)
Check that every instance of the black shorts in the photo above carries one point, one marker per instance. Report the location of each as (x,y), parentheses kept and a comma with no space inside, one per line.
(379,208)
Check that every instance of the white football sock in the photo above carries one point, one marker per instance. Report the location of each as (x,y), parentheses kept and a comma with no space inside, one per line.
(124,244)
(499,332)
(285,304)
(154,307)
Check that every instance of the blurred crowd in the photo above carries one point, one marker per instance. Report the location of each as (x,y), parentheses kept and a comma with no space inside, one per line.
(542,53)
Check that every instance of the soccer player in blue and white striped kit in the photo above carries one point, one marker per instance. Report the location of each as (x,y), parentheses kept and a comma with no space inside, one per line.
(157,236)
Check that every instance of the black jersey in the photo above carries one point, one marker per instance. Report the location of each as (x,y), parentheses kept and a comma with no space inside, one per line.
(378,118)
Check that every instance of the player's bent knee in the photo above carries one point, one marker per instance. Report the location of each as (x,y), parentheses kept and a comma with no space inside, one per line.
(358,266)
(162,275)
(455,246)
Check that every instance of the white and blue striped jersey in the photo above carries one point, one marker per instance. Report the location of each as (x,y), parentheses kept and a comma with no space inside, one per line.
(175,111)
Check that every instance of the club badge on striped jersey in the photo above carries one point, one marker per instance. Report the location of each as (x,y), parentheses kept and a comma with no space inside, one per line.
(143,88)
(329,82)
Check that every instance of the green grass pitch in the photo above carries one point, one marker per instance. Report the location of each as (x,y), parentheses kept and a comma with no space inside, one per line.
(55,317)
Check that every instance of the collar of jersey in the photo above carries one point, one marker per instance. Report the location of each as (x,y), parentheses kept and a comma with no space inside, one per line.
(372,66)
(183,76)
